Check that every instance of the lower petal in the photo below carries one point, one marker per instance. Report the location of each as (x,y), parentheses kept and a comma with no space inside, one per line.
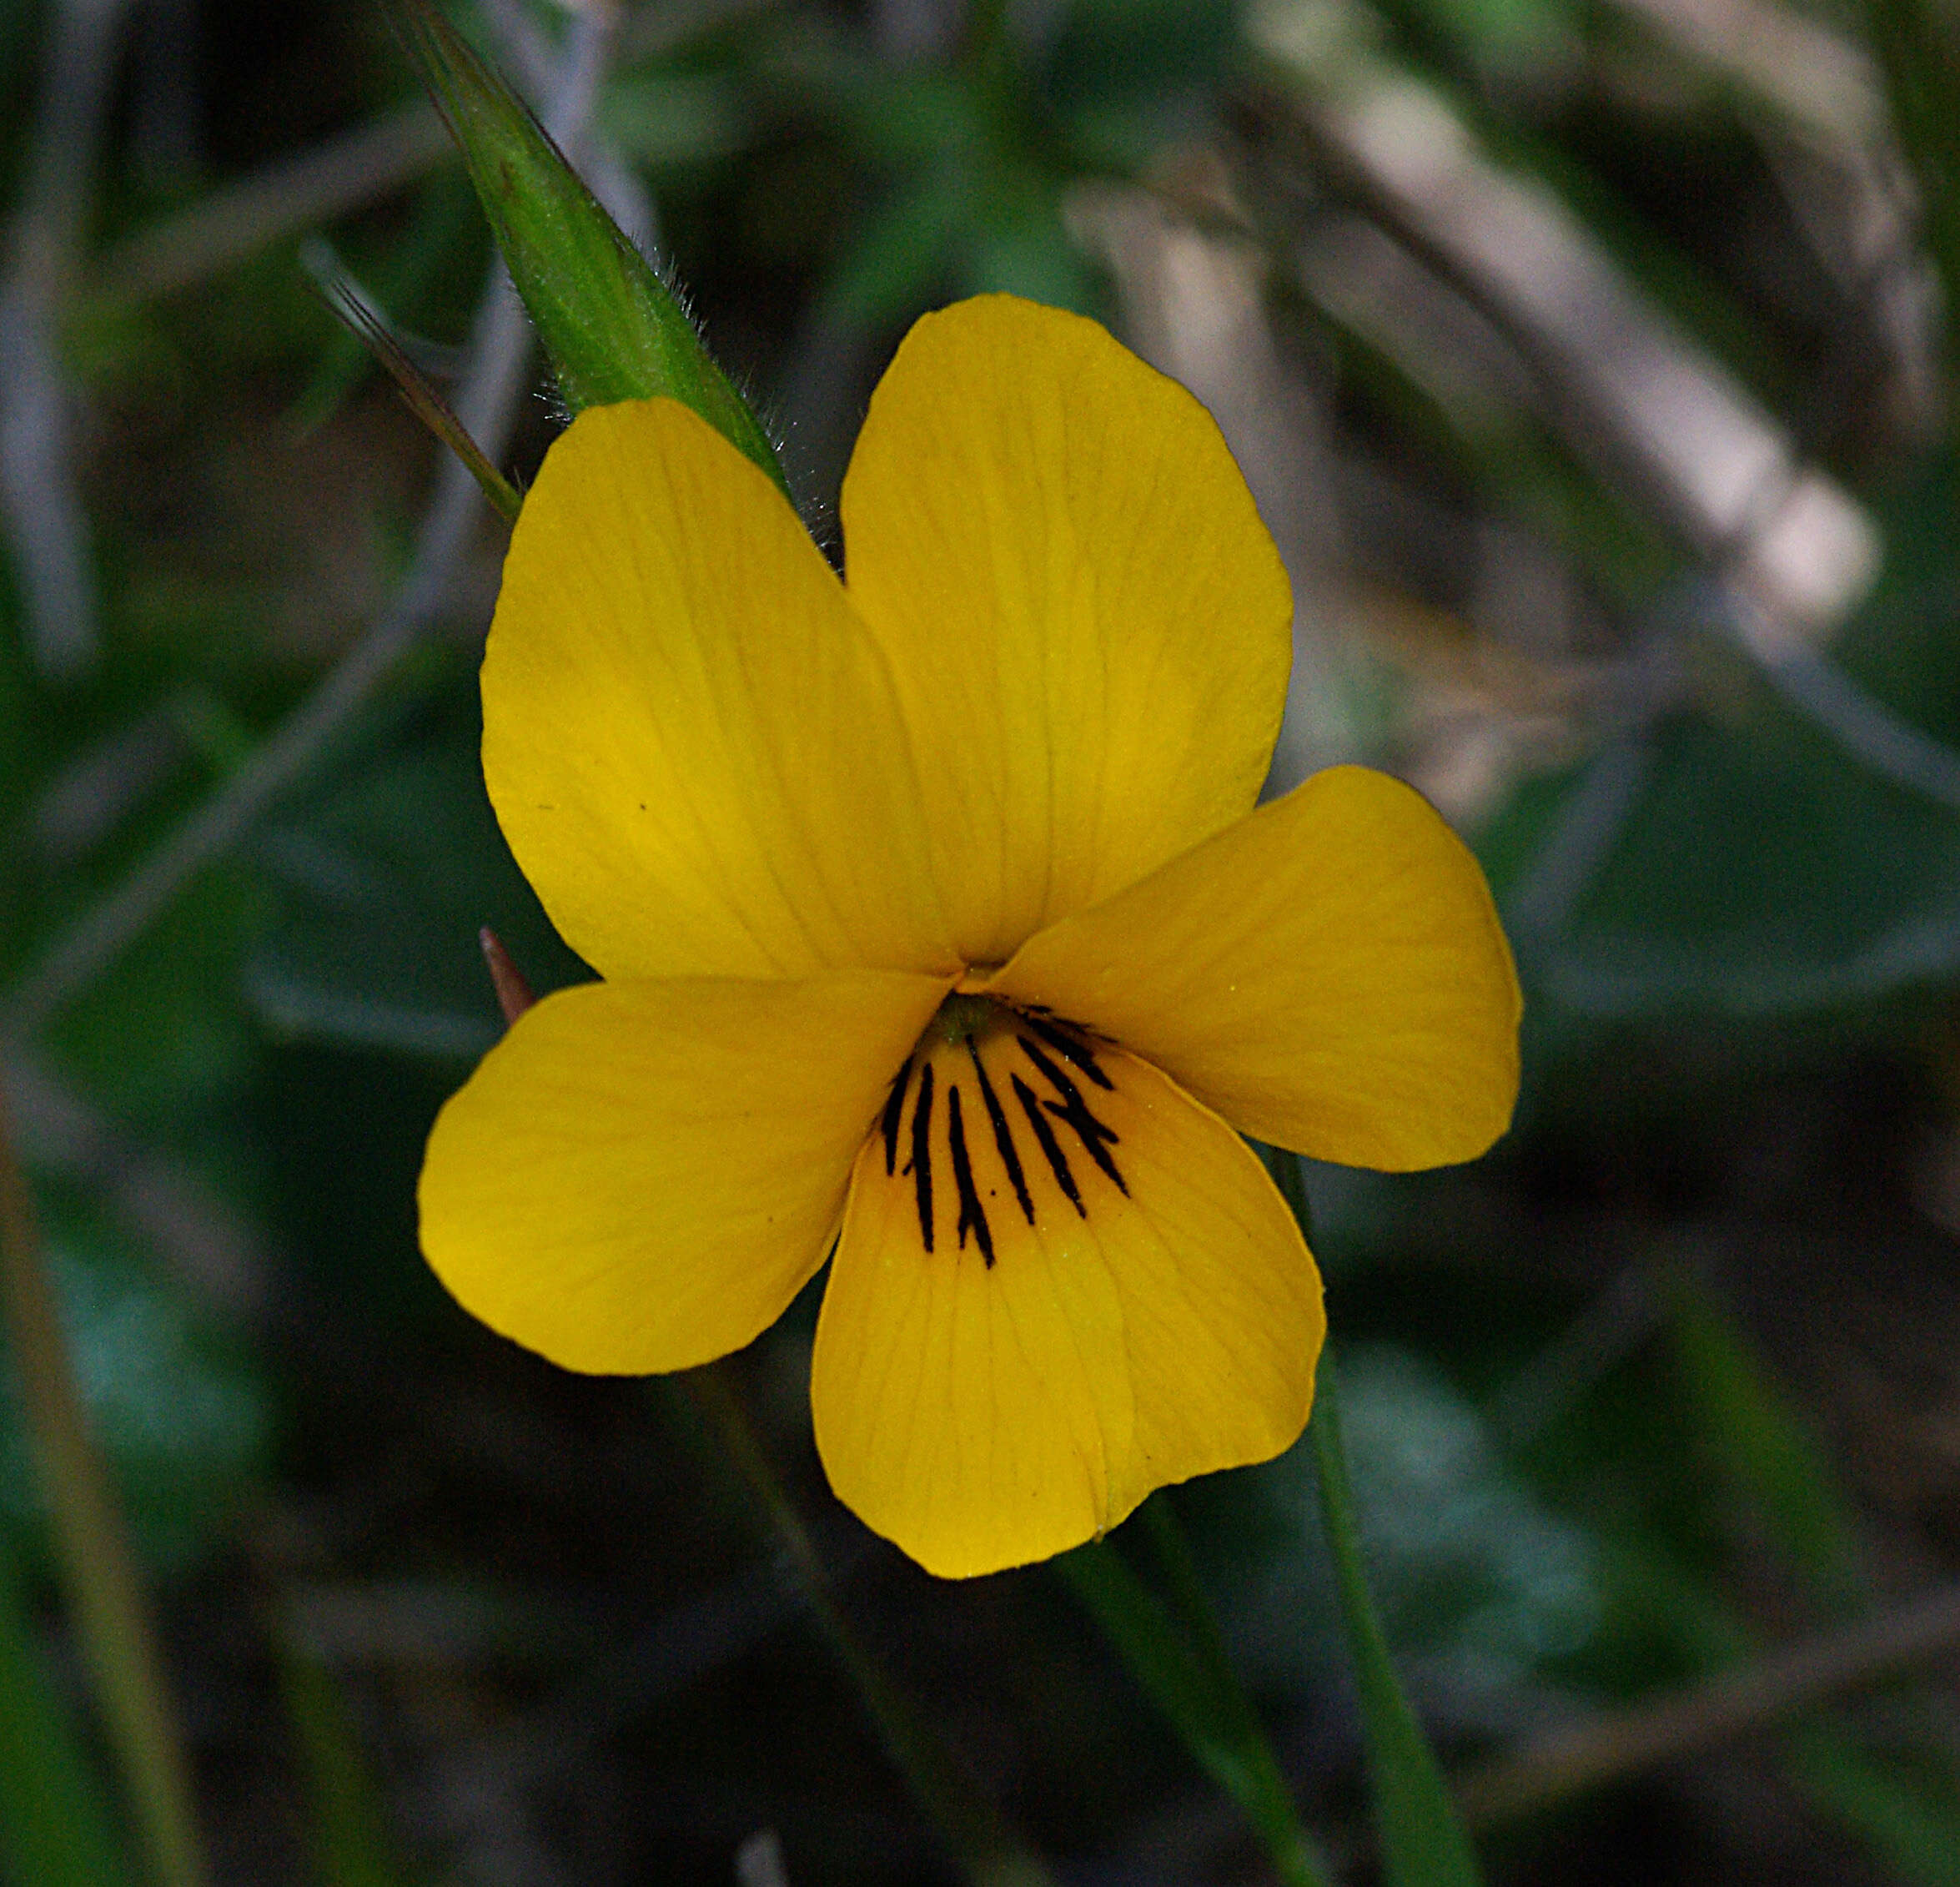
(642,1176)
(1061,1283)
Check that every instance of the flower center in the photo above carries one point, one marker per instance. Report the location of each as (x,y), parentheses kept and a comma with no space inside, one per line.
(1022,1083)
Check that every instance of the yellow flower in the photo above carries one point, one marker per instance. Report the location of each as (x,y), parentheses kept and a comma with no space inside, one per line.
(937,927)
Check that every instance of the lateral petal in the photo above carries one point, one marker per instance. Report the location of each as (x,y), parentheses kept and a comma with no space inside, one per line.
(640,1176)
(1329,973)
(1087,622)
(692,744)
(1096,1291)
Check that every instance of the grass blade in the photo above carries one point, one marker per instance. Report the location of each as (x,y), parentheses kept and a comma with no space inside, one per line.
(1185,1673)
(55,1826)
(362,319)
(988,1850)
(351,1843)
(1423,1843)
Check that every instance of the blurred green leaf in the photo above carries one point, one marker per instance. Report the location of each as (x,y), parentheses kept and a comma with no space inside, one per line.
(181,1414)
(1912,1826)
(1904,644)
(1761,869)
(1480,1584)
(1502,31)
(897,254)
(1470,1569)
(385,881)
(1019,246)
(671,118)
(55,1826)
(1917,43)
(934,118)
(1757,1443)
(1902,1807)
(614,330)
(162,1029)
(1137,50)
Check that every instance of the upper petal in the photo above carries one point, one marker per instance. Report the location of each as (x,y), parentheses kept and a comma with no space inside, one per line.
(1086,620)
(640,1176)
(1094,1290)
(692,745)
(1330,975)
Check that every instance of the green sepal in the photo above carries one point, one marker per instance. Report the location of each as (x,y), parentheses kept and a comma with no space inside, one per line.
(613,329)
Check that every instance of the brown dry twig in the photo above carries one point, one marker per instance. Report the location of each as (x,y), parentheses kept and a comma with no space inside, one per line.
(1627,1743)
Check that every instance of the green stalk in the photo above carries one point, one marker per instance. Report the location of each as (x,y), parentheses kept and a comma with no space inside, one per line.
(988,1850)
(347,1819)
(98,1570)
(1183,1667)
(613,327)
(1423,1843)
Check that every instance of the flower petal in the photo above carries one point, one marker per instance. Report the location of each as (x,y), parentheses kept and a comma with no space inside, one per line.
(1114,1297)
(1330,975)
(640,1176)
(692,745)
(1087,622)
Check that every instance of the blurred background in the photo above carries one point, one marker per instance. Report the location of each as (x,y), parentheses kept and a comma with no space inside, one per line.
(1591,362)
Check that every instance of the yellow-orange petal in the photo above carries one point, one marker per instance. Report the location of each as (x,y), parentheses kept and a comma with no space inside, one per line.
(1087,622)
(1107,1302)
(1330,975)
(692,745)
(640,1176)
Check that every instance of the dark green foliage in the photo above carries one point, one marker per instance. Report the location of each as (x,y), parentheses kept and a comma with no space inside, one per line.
(1664,1385)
